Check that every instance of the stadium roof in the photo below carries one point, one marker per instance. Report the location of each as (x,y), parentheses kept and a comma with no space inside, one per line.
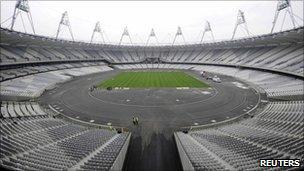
(293,36)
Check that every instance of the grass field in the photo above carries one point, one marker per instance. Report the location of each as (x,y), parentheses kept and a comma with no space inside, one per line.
(152,80)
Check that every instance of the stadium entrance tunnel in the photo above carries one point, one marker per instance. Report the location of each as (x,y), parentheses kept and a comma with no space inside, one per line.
(160,112)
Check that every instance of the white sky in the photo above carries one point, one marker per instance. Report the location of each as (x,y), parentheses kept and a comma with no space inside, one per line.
(141,16)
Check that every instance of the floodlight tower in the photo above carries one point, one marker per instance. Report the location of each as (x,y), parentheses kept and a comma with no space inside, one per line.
(179,33)
(207,29)
(283,5)
(64,22)
(152,34)
(22,6)
(240,21)
(97,29)
(125,33)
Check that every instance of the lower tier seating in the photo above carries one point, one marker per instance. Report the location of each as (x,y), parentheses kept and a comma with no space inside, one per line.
(275,85)
(8,74)
(35,85)
(36,140)
(274,133)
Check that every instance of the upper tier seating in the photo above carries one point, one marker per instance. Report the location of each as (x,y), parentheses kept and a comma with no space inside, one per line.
(286,58)
(11,54)
(274,133)
(282,58)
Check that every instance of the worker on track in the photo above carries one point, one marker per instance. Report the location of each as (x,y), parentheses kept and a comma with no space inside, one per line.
(134,120)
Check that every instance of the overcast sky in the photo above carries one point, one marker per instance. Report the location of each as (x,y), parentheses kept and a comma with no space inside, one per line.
(141,16)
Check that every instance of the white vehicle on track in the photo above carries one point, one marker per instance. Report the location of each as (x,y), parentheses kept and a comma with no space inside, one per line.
(216,79)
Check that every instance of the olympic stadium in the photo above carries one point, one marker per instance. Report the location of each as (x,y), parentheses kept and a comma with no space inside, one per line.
(234,104)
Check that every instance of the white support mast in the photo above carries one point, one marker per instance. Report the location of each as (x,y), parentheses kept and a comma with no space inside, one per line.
(179,33)
(97,29)
(22,6)
(240,21)
(125,33)
(151,35)
(64,22)
(207,29)
(283,5)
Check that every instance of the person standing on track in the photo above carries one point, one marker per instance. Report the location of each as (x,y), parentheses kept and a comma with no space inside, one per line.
(134,121)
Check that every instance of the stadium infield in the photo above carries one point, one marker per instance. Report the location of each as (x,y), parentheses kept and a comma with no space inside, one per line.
(160,79)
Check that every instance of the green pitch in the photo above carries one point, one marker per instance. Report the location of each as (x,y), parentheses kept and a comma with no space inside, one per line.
(152,80)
